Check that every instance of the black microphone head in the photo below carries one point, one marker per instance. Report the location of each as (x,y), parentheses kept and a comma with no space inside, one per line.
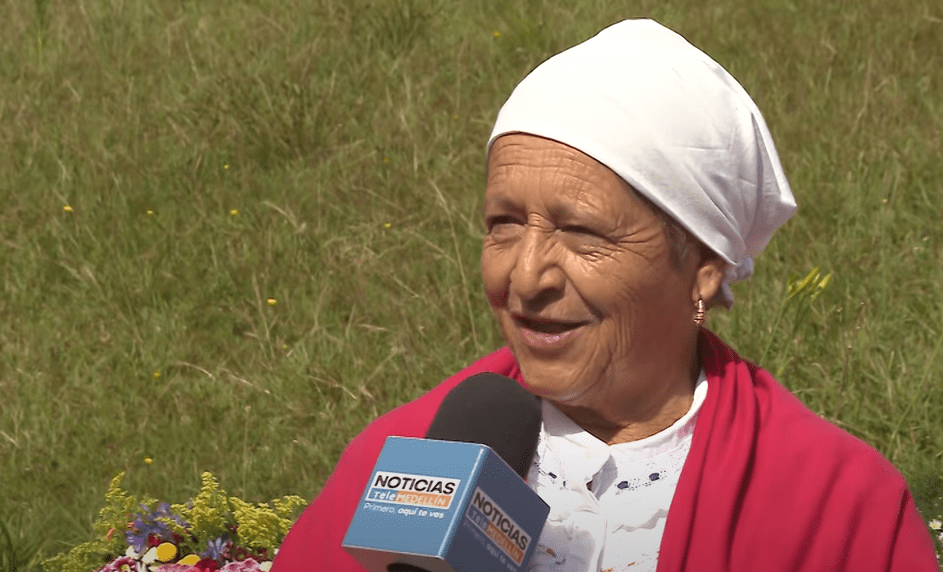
(402,567)
(492,410)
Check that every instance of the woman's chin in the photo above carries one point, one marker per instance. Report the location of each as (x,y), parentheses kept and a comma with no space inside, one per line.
(552,380)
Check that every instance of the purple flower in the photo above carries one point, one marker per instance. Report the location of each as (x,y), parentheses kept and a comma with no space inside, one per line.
(217,548)
(151,523)
(163,511)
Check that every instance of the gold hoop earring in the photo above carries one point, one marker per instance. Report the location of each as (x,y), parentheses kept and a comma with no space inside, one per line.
(700,313)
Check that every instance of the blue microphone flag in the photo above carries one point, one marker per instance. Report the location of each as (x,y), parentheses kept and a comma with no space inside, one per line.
(445,506)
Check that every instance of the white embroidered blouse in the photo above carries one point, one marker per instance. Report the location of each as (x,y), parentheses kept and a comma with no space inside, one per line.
(608,504)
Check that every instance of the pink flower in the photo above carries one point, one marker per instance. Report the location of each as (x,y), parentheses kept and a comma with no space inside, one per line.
(177,568)
(122,564)
(247,565)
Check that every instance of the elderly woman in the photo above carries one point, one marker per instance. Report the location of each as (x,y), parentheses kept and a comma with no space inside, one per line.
(630,180)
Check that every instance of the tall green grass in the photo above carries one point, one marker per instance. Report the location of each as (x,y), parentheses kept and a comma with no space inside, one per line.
(273,226)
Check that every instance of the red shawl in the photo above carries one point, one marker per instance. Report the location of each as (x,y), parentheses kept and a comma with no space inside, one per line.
(768,485)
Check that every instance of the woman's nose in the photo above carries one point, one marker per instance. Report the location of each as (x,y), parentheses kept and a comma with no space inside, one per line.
(536,275)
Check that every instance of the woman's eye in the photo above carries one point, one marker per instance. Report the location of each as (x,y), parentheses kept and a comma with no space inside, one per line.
(585,240)
(577,229)
(500,223)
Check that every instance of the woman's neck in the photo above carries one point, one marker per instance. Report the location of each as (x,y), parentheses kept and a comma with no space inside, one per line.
(626,418)
(613,432)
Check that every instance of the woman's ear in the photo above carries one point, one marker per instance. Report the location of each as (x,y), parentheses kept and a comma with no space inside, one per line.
(708,277)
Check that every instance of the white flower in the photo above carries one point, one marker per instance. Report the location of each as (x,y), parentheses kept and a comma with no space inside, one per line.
(935,524)
(150,556)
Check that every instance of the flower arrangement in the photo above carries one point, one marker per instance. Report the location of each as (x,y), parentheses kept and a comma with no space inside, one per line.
(211,533)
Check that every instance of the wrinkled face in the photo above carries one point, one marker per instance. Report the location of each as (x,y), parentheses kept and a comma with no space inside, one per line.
(578,271)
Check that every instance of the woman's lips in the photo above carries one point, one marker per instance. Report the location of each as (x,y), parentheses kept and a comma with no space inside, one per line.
(546,335)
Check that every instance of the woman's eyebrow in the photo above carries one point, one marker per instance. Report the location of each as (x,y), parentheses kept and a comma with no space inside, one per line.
(500,201)
(591,214)
(563,211)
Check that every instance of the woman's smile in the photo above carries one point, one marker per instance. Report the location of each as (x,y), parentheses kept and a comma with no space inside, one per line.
(546,335)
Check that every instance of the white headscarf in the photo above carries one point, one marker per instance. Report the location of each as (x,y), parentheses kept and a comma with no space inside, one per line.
(672,123)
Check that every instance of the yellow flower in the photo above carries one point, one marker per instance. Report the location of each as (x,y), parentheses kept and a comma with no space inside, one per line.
(148,460)
(272,301)
(234,212)
(156,374)
(226,166)
(150,211)
(166,551)
(189,560)
(496,34)
(387,225)
(67,208)
(387,161)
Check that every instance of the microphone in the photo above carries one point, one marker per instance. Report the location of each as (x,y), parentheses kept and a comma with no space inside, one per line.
(452,502)
(492,410)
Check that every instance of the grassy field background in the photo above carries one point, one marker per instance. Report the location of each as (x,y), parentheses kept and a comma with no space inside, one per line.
(232,233)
